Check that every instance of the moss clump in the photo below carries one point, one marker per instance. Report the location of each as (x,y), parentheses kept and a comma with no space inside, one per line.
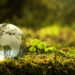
(43,64)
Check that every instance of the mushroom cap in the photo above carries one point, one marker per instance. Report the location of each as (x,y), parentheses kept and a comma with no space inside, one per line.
(12,41)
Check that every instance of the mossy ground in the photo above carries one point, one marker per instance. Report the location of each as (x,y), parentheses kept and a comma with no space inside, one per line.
(47,63)
(42,64)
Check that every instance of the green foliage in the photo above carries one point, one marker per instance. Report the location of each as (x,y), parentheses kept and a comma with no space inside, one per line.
(31,13)
(38,45)
(35,42)
(50,30)
(41,45)
(50,49)
(32,49)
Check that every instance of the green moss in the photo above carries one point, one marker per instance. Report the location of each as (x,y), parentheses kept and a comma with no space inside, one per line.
(38,65)
(51,62)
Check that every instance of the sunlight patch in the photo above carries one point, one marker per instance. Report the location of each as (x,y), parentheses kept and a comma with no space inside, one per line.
(2,57)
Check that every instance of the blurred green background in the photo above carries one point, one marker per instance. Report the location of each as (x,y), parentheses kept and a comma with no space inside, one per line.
(37,13)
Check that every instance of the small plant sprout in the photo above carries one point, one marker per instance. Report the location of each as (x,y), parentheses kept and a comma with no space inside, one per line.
(32,49)
(35,42)
(50,49)
(37,46)
(41,45)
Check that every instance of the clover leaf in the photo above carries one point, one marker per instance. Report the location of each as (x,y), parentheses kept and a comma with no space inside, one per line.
(35,42)
(32,49)
(50,49)
(41,45)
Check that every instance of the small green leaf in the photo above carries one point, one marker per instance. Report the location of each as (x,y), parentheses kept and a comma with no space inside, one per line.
(32,49)
(46,50)
(51,49)
(41,45)
(35,42)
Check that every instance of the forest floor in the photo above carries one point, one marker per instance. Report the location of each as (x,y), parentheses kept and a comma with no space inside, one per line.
(58,62)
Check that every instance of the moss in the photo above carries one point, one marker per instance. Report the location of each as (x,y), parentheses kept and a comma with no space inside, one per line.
(38,65)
